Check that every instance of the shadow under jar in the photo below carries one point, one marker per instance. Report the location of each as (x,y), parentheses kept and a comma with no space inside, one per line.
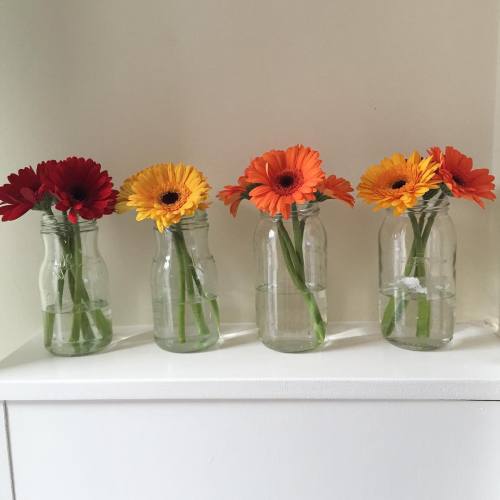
(417,253)
(291,302)
(183,286)
(73,284)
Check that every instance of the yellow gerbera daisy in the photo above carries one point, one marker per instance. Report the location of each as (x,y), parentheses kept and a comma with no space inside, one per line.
(123,196)
(166,192)
(398,182)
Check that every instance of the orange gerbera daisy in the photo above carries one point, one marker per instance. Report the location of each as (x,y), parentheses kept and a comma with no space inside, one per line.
(232,195)
(398,182)
(461,178)
(284,177)
(337,187)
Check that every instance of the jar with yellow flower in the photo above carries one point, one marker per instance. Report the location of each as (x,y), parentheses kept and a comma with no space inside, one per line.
(417,241)
(183,278)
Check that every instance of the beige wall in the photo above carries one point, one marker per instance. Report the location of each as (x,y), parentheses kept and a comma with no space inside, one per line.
(217,82)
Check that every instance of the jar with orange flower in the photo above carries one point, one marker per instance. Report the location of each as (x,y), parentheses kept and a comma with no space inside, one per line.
(290,244)
(417,241)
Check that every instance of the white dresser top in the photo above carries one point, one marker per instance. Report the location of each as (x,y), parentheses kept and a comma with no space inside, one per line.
(356,363)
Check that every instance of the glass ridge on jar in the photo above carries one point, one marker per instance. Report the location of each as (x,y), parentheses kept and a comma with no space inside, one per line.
(417,276)
(73,283)
(291,307)
(184,287)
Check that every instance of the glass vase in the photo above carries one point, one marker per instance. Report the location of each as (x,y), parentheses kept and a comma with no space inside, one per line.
(184,284)
(73,284)
(417,252)
(291,302)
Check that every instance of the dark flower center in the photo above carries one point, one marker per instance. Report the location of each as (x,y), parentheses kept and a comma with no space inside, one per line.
(170,197)
(78,193)
(458,180)
(398,184)
(286,180)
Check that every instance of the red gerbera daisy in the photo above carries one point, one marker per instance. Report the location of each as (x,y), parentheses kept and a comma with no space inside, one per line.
(337,187)
(23,191)
(81,188)
(232,195)
(284,177)
(464,181)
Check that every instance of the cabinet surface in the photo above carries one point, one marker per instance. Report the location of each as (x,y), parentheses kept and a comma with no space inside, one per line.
(271,450)
(360,420)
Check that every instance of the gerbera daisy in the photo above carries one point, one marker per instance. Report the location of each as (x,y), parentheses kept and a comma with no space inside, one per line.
(283,178)
(464,181)
(233,195)
(398,182)
(124,194)
(166,192)
(81,188)
(337,187)
(23,191)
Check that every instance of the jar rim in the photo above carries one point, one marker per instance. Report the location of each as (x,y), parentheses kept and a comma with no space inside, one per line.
(436,205)
(196,221)
(303,209)
(57,222)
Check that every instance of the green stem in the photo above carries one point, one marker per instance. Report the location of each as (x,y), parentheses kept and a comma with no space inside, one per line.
(297,266)
(285,250)
(182,292)
(417,239)
(50,316)
(427,231)
(102,323)
(423,305)
(196,306)
(87,332)
(70,242)
(298,233)
(296,272)
(78,276)
(213,301)
(394,309)
(48,327)
(392,313)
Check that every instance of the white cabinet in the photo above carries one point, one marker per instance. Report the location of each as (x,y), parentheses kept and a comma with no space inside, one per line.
(360,420)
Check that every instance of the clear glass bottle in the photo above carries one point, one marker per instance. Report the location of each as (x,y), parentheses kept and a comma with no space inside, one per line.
(291,302)
(184,287)
(73,284)
(417,252)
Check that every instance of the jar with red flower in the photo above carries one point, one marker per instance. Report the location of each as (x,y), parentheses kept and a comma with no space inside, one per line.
(73,284)
(71,194)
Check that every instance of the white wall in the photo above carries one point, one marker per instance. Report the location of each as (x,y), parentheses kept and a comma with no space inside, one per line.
(217,82)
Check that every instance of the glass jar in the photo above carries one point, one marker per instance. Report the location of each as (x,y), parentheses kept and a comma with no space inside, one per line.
(184,287)
(291,300)
(417,252)
(73,285)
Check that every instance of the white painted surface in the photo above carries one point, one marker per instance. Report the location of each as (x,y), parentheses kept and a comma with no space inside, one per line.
(257,450)
(217,82)
(5,479)
(357,364)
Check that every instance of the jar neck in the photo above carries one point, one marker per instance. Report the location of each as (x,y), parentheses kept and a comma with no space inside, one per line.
(59,223)
(302,211)
(197,221)
(436,205)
